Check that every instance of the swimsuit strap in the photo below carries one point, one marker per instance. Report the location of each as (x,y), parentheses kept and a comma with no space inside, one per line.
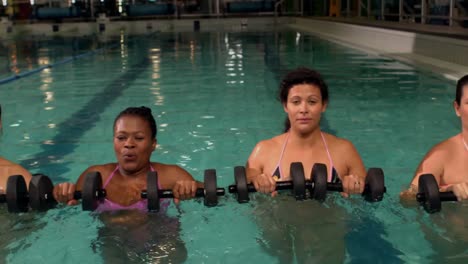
(115,170)
(142,205)
(330,174)
(110,177)
(278,166)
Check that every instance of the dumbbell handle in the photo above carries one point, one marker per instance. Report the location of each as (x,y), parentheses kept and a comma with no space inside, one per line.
(280,185)
(77,195)
(338,187)
(444,197)
(288,185)
(200,192)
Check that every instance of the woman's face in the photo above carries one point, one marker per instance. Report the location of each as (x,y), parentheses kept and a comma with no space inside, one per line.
(462,109)
(133,143)
(304,107)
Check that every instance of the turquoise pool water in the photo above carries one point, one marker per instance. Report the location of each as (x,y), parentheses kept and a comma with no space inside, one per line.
(214,97)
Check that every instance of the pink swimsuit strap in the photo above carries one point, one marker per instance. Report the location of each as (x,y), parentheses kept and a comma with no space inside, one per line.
(115,170)
(142,205)
(110,177)
(281,157)
(330,171)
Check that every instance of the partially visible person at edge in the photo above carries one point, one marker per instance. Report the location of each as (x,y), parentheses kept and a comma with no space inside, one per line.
(448,160)
(8,168)
(304,97)
(134,141)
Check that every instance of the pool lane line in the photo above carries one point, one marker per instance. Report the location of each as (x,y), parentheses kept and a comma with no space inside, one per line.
(60,62)
(86,117)
(82,120)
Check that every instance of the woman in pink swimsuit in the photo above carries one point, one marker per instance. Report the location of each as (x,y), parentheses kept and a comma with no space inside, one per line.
(304,96)
(8,168)
(134,141)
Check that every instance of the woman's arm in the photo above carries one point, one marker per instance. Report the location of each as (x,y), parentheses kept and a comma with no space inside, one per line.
(355,177)
(355,164)
(432,163)
(8,169)
(255,169)
(64,192)
(181,182)
(255,163)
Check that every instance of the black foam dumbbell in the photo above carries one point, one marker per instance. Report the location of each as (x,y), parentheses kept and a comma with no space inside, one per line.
(40,194)
(318,186)
(429,195)
(16,194)
(374,187)
(210,193)
(298,184)
(92,194)
(41,198)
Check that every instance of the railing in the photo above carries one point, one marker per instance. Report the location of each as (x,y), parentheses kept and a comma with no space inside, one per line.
(452,13)
(140,9)
(277,7)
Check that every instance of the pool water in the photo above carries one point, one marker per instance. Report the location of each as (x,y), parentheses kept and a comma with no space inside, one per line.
(214,97)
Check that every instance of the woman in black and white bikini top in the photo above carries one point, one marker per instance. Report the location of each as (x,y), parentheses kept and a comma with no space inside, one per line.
(304,96)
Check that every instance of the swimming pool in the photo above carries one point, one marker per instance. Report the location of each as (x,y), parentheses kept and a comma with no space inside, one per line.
(214,97)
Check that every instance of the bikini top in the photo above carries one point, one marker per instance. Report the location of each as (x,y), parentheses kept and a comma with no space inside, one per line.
(332,175)
(142,205)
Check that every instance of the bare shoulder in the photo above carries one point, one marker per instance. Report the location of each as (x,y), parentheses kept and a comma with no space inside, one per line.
(339,144)
(264,150)
(436,159)
(10,164)
(171,171)
(442,150)
(5,162)
(21,170)
(102,168)
(449,144)
(14,168)
(268,145)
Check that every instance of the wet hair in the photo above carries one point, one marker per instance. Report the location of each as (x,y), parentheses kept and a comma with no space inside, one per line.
(301,75)
(460,84)
(143,112)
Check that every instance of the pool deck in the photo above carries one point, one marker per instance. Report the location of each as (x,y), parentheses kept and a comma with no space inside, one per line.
(435,48)
(456,31)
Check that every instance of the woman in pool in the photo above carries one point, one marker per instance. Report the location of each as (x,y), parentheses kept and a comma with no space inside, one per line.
(128,235)
(304,96)
(8,168)
(134,141)
(297,231)
(447,161)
